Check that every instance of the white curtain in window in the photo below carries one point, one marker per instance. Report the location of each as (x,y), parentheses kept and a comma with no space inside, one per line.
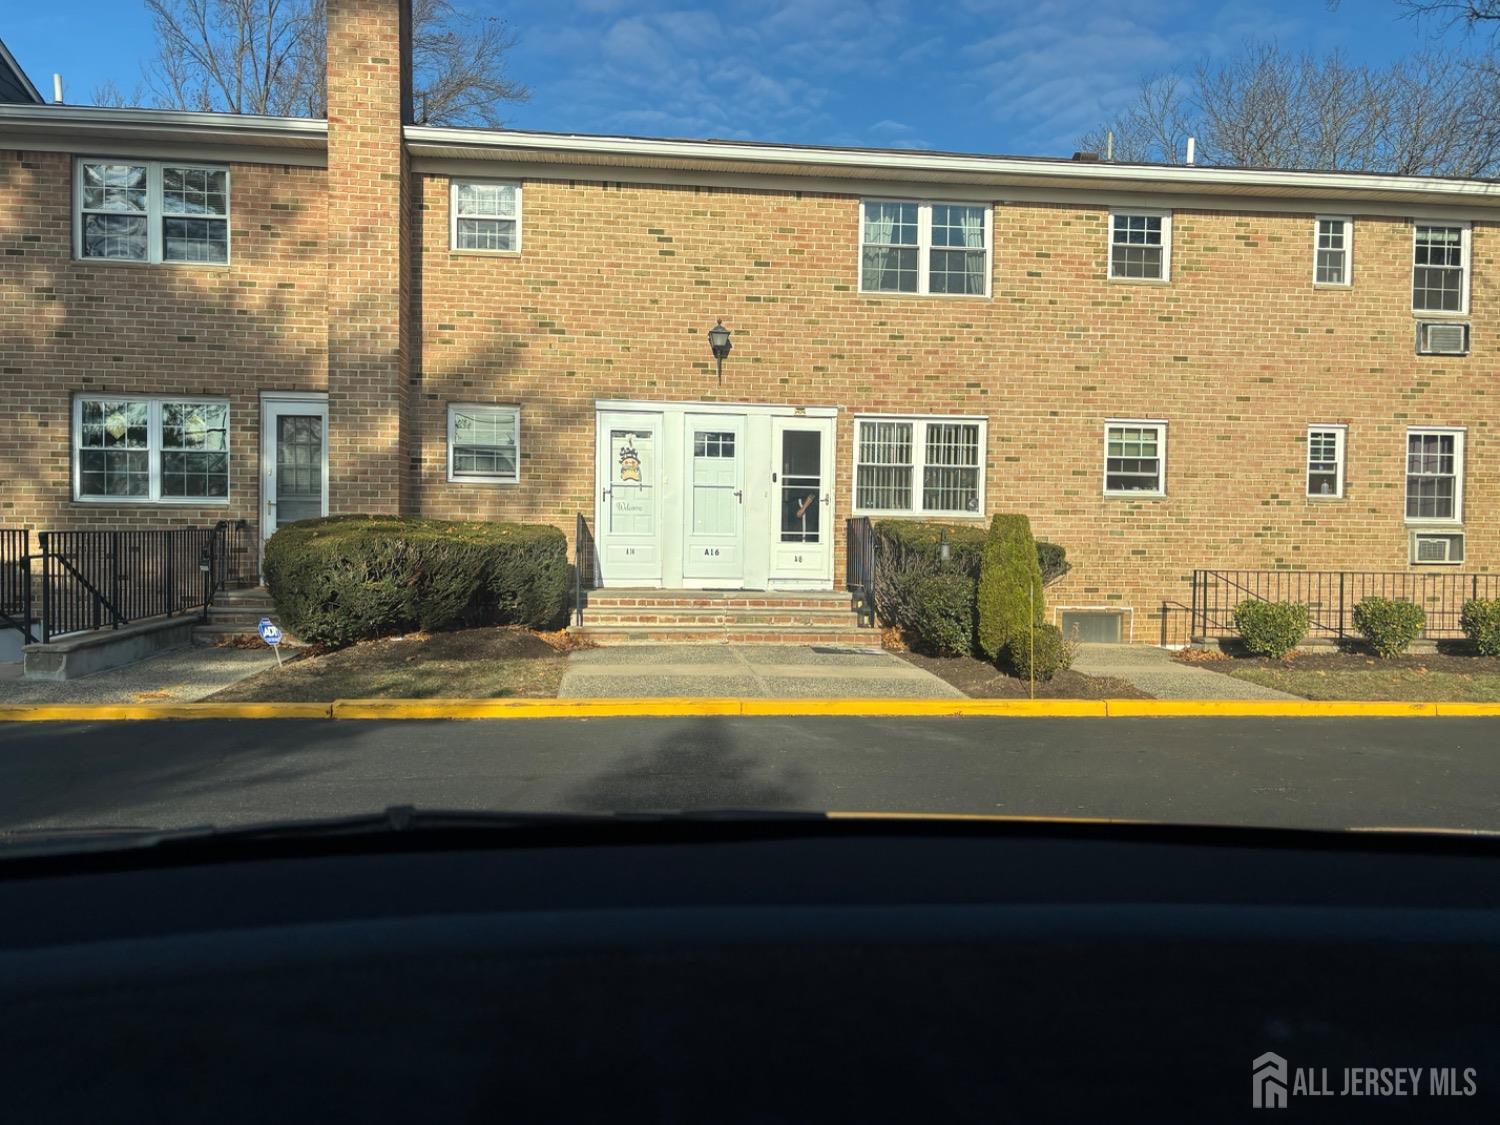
(880,224)
(973,227)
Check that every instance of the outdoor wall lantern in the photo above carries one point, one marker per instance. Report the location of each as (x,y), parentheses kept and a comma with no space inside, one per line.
(718,341)
(944,552)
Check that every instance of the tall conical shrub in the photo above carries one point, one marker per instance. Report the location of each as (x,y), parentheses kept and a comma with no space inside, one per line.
(1008,570)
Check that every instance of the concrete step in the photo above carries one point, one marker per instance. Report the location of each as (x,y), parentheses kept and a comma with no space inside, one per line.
(715,599)
(621,616)
(211,634)
(729,635)
(247,618)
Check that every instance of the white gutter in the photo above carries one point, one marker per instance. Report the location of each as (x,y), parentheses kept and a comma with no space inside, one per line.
(1138,176)
(228,126)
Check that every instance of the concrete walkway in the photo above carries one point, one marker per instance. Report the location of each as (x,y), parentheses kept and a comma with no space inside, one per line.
(739,671)
(179,675)
(1154,671)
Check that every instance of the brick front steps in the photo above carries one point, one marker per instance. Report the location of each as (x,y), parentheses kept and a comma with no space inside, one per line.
(237,613)
(618,617)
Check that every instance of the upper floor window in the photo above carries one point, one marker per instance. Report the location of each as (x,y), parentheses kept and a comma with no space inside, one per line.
(486,215)
(152,211)
(1135,458)
(169,450)
(1434,475)
(1332,239)
(1140,245)
(1440,267)
(915,466)
(1325,461)
(909,247)
(484,443)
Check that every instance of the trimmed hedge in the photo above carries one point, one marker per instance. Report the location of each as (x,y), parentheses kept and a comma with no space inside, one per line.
(348,578)
(1008,571)
(943,618)
(965,545)
(1045,651)
(1481,624)
(1271,628)
(1387,625)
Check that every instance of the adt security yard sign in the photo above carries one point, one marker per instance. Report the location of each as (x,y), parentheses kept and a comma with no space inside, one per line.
(271,634)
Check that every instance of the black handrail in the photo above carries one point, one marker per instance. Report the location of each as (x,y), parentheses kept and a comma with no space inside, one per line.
(585,576)
(859,568)
(15,581)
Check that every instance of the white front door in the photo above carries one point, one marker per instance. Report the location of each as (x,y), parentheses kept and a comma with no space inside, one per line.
(714,504)
(802,499)
(628,537)
(293,460)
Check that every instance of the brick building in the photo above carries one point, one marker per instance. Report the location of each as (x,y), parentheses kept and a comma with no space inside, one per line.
(209,317)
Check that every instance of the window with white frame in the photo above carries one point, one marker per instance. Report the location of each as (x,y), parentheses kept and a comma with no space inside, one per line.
(1332,238)
(915,466)
(144,450)
(1434,475)
(484,443)
(1325,461)
(1135,458)
(151,211)
(486,215)
(1140,245)
(1440,267)
(935,248)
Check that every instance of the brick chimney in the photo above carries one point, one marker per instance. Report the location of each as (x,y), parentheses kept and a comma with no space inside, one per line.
(369,224)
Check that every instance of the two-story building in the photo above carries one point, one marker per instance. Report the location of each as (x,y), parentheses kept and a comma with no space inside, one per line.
(209,316)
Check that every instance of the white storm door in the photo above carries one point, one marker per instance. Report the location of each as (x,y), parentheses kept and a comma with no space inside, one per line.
(293,460)
(802,498)
(627,535)
(714,498)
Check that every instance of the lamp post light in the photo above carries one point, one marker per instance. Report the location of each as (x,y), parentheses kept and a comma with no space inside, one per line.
(718,342)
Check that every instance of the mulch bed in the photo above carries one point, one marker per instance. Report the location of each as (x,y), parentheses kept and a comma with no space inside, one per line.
(981,680)
(1346,662)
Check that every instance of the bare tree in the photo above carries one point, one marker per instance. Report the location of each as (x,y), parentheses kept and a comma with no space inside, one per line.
(270,56)
(109,95)
(1469,12)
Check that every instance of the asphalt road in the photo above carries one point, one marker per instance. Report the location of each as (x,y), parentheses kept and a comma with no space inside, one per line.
(1301,772)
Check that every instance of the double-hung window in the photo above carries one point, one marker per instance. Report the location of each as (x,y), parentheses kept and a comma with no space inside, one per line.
(1440,268)
(1325,461)
(919,466)
(1135,458)
(145,450)
(933,248)
(1434,475)
(151,211)
(1333,238)
(484,443)
(486,215)
(1140,245)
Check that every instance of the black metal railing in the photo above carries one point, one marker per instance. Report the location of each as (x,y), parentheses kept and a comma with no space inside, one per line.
(15,582)
(859,567)
(585,575)
(1331,595)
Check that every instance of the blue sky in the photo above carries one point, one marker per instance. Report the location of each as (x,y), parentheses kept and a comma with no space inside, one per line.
(1012,76)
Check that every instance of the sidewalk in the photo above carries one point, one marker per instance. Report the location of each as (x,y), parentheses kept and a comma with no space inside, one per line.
(179,675)
(747,671)
(1154,671)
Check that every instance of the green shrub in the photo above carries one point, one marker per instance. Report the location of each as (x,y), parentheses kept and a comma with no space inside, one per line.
(965,546)
(943,622)
(1009,571)
(1271,628)
(1387,625)
(1044,651)
(348,578)
(1481,623)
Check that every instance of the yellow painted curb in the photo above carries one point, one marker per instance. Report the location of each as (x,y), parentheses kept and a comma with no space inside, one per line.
(925,708)
(1468,710)
(109,712)
(1267,708)
(530,708)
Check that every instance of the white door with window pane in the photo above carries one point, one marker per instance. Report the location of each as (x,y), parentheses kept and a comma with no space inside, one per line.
(802,499)
(294,461)
(714,500)
(627,535)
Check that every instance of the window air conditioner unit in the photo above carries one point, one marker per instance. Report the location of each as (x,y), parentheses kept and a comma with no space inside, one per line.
(1442,337)
(1437,547)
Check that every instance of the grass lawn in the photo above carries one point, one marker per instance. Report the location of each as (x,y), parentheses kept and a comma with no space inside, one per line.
(469,663)
(1437,677)
(981,680)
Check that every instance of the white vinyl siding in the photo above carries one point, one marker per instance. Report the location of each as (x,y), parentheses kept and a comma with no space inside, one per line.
(924,248)
(919,466)
(150,450)
(1440,267)
(1135,458)
(1140,245)
(485,216)
(484,444)
(151,211)
(1333,250)
(1325,461)
(1434,475)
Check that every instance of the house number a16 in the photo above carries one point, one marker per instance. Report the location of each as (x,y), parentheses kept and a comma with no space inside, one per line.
(710,550)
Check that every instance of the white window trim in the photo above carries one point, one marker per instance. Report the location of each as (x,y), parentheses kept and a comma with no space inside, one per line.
(924,248)
(453,186)
(1160,426)
(1341,432)
(484,478)
(1468,267)
(153,450)
(1166,245)
(1459,441)
(1348,222)
(919,463)
(155,237)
